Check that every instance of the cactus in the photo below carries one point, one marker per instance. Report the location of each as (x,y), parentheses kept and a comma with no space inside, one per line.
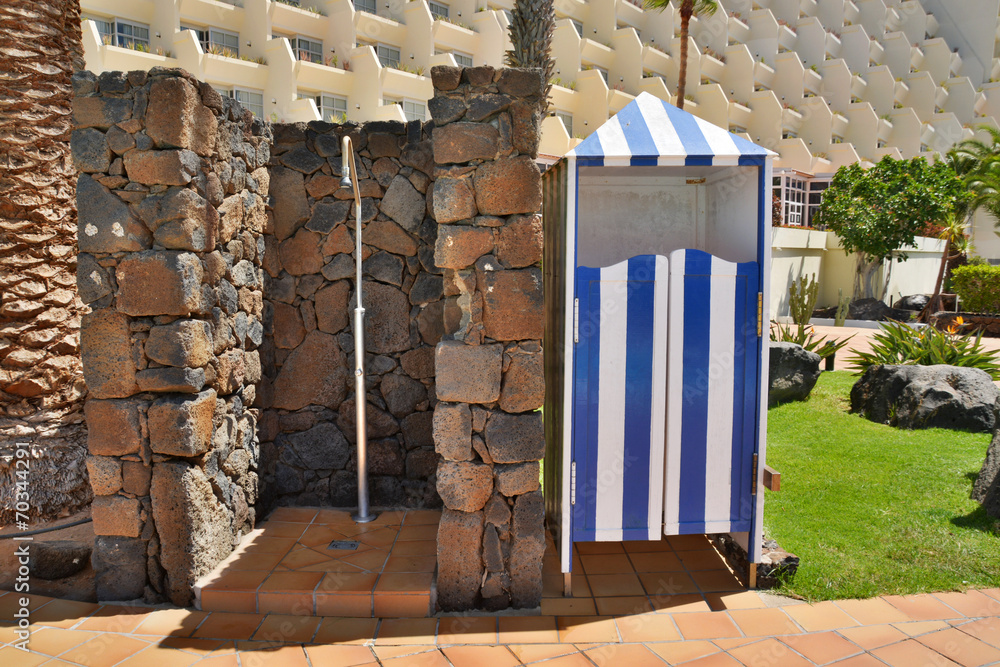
(843,306)
(802,299)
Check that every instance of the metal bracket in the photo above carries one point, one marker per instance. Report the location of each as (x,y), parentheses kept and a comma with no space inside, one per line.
(760,314)
(572,483)
(576,320)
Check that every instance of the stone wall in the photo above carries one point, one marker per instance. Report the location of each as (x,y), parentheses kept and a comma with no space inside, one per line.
(170,232)
(41,392)
(308,427)
(490,383)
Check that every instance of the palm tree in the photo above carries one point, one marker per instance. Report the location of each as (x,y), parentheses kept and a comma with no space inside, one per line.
(40,47)
(531,26)
(978,163)
(689,8)
(956,244)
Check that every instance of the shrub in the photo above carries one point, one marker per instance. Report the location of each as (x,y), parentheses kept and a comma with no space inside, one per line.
(805,336)
(978,285)
(899,344)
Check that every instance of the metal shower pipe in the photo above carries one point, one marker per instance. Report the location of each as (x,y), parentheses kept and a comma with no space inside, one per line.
(348,167)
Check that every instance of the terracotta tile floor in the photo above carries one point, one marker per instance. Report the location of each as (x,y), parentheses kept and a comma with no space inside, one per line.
(286,566)
(671,602)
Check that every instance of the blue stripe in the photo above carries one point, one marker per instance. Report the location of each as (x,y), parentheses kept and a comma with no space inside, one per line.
(698,161)
(589,162)
(643,161)
(689,133)
(744,373)
(591,488)
(694,420)
(586,459)
(636,131)
(590,147)
(752,385)
(752,161)
(638,390)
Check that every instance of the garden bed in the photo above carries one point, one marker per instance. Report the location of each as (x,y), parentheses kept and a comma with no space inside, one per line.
(873,510)
(988,323)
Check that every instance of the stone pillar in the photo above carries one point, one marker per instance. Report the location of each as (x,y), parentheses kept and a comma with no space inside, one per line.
(489,380)
(171,218)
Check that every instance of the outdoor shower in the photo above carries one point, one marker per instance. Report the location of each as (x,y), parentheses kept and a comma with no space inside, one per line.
(348,167)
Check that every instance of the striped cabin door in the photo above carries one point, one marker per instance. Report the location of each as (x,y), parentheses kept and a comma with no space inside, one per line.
(620,400)
(712,394)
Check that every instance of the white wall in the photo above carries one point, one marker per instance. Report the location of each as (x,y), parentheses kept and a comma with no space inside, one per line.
(985,241)
(799,252)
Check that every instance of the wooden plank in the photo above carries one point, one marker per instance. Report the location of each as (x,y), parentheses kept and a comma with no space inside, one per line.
(772,479)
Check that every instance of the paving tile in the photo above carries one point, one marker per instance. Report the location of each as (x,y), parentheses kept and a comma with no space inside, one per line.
(614,655)
(372,560)
(286,628)
(346,630)
(679,604)
(410,563)
(656,561)
(341,656)
(960,647)
(300,604)
(586,548)
(199,647)
(231,660)
(717,660)
(763,622)
(63,613)
(105,649)
(293,514)
(971,603)
(267,545)
(415,548)
(347,582)
(422,518)
(574,629)
(344,604)
(909,653)
(528,630)
(873,636)
(623,606)
(10,604)
(528,653)
(873,611)
(820,617)
(641,547)
(229,626)
(923,607)
(702,559)
(254,561)
(399,583)
(406,631)
(822,647)
(433,658)
(986,630)
(647,628)
(394,605)
(467,630)
(114,618)
(658,584)
(414,533)
(992,592)
(273,528)
(863,660)
(688,542)
(171,623)
(299,558)
(477,656)
(235,601)
(713,581)
(53,641)
(279,656)
(552,585)
(734,642)
(768,652)
(238,580)
(706,625)
(571,660)
(161,657)
(917,628)
(14,656)
(327,515)
(291,582)
(734,600)
(617,563)
(569,607)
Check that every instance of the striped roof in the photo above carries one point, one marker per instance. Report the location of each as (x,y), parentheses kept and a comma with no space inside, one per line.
(650,132)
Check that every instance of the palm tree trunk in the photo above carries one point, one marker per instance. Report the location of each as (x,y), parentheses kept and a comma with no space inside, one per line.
(687,9)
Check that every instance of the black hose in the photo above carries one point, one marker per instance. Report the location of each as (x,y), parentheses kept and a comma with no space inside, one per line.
(25,533)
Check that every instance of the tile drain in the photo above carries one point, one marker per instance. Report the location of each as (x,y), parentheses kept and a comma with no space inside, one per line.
(343,545)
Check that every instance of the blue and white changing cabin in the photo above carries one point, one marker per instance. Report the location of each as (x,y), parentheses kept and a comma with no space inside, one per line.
(657,250)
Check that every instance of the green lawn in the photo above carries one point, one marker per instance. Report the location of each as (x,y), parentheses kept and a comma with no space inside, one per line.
(874,510)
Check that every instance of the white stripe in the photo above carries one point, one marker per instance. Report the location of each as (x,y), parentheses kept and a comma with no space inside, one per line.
(566,509)
(720,142)
(657,428)
(610,473)
(675,393)
(719,435)
(659,126)
(613,141)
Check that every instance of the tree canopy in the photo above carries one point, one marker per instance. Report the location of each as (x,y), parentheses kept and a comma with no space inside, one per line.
(878,212)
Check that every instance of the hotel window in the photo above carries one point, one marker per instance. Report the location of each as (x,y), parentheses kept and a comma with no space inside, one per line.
(219,42)
(387,55)
(462,59)
(332,109)
(250,99)
(120,32)
(579,27)
(791,190)
(816,189)
(438,10)
(414,110)
(567,121)
(365,6)
(307,48)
